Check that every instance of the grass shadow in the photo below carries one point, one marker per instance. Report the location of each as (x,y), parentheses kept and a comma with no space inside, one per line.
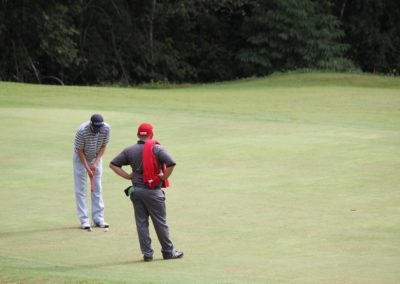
(37,231)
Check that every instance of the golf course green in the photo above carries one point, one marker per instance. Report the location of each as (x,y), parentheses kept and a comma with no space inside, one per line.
(293,178)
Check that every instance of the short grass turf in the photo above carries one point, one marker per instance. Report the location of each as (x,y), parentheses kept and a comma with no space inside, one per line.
(292,178)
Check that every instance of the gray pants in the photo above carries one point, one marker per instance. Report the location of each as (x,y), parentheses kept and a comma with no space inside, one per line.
(80,178)
(151,203)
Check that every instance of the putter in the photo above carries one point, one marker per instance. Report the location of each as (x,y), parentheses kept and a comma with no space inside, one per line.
(91,184)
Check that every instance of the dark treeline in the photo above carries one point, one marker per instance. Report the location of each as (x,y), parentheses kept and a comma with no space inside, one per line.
(137,41)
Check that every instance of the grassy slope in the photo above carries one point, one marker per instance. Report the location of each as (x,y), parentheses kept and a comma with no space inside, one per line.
(288,179)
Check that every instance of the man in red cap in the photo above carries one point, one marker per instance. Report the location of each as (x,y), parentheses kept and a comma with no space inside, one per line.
(147,159)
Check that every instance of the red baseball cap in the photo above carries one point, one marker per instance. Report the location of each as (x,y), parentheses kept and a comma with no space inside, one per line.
(145,129)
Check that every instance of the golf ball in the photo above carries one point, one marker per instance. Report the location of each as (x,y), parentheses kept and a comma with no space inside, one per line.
(106,230)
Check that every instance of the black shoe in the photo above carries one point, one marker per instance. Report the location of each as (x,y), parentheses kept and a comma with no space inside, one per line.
(86,227)
(102,225)
(175,254)
(147,258)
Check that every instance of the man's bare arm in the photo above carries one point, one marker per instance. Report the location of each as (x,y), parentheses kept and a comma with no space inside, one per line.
(120,171)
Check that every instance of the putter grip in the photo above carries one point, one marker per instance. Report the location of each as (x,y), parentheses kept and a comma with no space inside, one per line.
(91,184)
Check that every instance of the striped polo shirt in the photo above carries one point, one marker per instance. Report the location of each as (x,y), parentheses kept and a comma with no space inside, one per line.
(91,142)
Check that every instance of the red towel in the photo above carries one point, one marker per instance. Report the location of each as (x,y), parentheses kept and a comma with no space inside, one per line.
(150,166)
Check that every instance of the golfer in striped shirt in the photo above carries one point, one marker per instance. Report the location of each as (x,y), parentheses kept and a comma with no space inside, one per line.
(90,144)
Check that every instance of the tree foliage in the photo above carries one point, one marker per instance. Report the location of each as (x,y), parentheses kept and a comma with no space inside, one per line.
(136,41)
(291,34)
(372,27)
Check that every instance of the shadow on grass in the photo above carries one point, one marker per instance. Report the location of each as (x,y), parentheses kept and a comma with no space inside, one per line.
(38,231)
(126,262)
(61,267)
(95,266)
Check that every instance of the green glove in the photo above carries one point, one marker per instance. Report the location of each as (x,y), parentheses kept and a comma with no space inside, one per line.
(129,190)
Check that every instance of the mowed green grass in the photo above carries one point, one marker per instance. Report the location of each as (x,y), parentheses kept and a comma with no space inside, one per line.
(289,179)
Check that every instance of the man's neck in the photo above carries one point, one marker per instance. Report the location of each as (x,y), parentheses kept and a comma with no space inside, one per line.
(144,140)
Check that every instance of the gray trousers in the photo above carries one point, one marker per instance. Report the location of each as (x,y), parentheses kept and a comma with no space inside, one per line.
(80,178)
(151,203)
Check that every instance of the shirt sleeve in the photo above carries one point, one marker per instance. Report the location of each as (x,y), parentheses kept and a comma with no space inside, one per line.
(79,140)
(163,156)
(121,159)
(107,137)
